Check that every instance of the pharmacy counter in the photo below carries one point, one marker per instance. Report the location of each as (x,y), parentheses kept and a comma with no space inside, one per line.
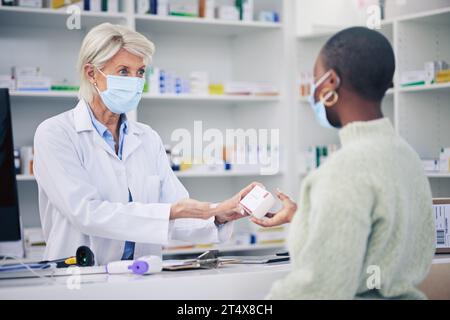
(229,282)
(232,282)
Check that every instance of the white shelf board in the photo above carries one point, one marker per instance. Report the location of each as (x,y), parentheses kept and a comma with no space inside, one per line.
(321,35)
(185,174)
(220,174)
(53,17)
(165,97)
(428,87)
(171,24)
(22,177)
(438,16)
(438,174)
(211,98)
(44,94)
(224,248)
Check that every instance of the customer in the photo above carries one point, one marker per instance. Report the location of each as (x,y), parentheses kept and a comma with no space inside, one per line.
(364,227)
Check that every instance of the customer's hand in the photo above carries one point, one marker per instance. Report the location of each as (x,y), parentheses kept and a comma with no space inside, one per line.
(230,210)
(283,216)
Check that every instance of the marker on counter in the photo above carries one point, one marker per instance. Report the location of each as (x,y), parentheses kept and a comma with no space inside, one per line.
(141,266)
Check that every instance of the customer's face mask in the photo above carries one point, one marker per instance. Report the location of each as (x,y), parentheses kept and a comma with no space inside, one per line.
(319,106)
(122,94)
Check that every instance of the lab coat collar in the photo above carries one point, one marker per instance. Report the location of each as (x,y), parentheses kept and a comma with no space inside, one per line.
(83,120)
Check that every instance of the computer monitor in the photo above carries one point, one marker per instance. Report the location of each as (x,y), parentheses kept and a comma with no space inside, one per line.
(11,244)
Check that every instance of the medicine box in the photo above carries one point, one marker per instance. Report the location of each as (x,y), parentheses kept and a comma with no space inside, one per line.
(258,202)
(444,159)
(230,13)
(31,3)
(441,211)
(412,78)
(7,82)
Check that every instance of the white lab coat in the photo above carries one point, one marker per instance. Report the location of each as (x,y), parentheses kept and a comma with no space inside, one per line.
(83,191)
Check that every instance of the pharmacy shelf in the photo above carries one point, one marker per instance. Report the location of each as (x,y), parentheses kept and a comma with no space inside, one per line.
(197,26)
(427,88)
(436,17)
(23,177)
(211,98)
(165,97)
(221,174)
(438,175)
(44,94)
(187,174)
(224,249)
(36,17)
(322,35)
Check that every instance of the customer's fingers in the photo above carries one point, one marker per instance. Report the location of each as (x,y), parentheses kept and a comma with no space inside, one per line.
(276,220)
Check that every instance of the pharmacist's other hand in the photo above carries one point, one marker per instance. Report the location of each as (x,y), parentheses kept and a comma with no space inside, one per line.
(190,208)
(283,216)
(230,210)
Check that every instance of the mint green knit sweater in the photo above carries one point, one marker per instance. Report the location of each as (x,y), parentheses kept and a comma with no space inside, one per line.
(364,228)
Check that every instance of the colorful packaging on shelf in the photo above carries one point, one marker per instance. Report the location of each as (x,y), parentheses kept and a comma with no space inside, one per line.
(33,83)
(229,13)
(17,72)
(245,8)
(26,159)
(17,161)
(444,159)
(269,16)
(412,78)
(184,8)
(31,3)
(431,165)
(206,9)
(142,6)
(7,82)
(432,68)
(441,209)
(443,76)
(162,8)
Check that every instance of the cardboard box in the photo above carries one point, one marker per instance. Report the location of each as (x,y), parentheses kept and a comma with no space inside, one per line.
(441,209)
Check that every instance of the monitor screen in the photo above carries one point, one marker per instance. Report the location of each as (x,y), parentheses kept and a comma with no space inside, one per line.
(9,207)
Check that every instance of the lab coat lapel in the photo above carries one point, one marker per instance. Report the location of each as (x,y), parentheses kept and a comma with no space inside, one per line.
(99,141)
(131,143)
(83,122)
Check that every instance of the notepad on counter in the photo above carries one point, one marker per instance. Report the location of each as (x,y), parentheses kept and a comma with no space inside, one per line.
(256,259)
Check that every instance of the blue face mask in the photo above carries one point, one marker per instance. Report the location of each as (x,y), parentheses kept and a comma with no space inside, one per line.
(319,106)
(122,94)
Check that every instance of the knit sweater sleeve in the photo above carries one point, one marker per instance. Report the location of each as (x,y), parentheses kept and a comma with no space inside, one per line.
(328,241)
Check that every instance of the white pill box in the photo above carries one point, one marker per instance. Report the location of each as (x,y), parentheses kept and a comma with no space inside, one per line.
(258,202)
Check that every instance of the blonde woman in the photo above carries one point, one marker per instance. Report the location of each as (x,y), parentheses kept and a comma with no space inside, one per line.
(104,180)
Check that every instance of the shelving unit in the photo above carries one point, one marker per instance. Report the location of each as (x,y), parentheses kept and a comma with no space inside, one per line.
(161,98)
(224,49)
(39,18)
(201,26)
(421,114)
(240,51)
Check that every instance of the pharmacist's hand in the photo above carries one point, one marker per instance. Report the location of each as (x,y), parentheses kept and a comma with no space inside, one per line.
(283,216)
(230,210)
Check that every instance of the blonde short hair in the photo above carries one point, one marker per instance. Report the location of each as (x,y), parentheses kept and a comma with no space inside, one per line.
(102,43)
